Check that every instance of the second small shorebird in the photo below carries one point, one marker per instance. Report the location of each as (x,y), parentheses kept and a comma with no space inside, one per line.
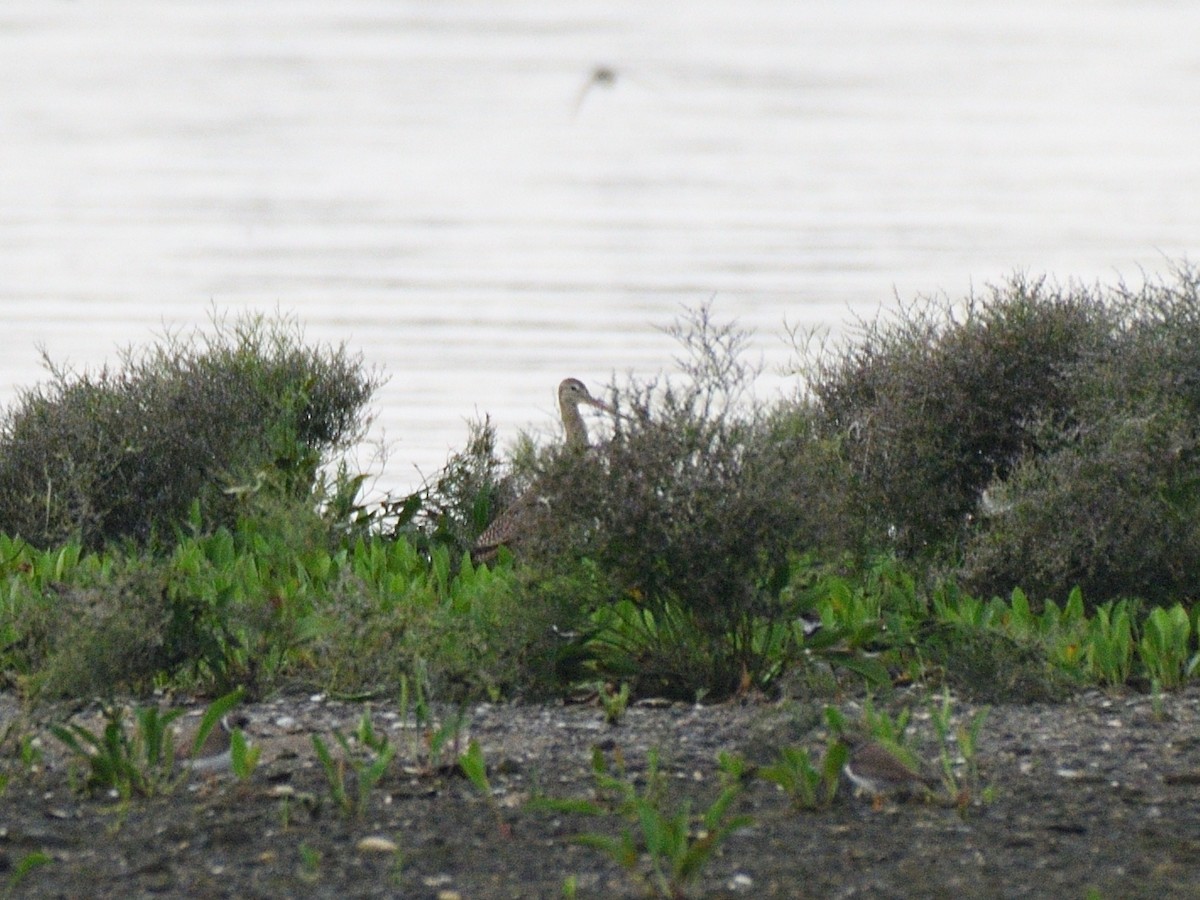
(879,772)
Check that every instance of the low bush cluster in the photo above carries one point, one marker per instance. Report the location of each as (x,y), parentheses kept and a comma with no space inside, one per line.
(1108,501)
(933,405)
(124,453)
(1037,436)
(1034,437)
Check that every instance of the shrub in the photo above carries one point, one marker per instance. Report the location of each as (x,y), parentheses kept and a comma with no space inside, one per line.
(985,665)
(123,454)
(469,635)
(107,634)
(1111,502)
(452,508)
(693,508)
(934,405)
(1158,358)
(1116,512)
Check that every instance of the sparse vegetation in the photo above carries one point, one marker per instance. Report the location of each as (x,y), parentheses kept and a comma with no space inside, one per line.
(614,702)
(474,766)
(137,758)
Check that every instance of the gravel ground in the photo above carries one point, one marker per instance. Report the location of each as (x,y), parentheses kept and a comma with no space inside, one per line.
(1101,792)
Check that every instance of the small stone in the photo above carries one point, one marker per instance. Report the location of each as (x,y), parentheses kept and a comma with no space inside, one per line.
(377,844)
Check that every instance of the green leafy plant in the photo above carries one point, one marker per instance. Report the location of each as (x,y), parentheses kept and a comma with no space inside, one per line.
(836,619)
(310,864)
(432,744)
(24,866)
(883,727)
(366,735)
(614,702)
(967,787)
(734,768)
(807,784)
(243,757)
(674,846)
(29,753)
(474,767)
(1165,645)
(367,768)
(140,763)
(213,714)
(1109,644)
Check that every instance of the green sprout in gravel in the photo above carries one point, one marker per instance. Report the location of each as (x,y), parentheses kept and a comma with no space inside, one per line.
(808,785)
(428,747)
(674,853)
(962,789)
(243,757)
(25,865)
(141,763)
(474,767)
(365,734)
(310,864)
(614,702)
(368,768)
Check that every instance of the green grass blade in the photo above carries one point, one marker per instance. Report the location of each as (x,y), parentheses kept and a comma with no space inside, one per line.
(215,712)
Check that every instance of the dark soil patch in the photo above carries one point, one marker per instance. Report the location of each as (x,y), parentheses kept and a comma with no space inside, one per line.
(1100,792)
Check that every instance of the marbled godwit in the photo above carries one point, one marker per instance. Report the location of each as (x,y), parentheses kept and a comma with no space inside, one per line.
(515,521)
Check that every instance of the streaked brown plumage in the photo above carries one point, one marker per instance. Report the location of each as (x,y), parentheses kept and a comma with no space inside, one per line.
(507,528)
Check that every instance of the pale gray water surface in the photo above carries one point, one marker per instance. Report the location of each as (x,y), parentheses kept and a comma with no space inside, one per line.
(441,184)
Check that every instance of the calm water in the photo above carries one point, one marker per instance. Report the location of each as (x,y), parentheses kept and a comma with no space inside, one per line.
(441,184)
